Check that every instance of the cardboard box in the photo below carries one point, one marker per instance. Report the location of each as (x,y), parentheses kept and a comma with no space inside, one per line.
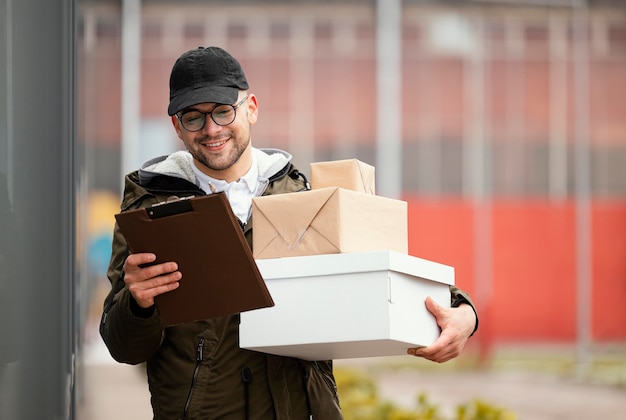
(347,305)
(327,221)
(351,174)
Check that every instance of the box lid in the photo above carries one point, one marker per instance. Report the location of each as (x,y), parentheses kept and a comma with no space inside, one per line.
(355,262)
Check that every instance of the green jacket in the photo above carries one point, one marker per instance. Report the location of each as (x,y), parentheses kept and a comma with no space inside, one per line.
(197,370)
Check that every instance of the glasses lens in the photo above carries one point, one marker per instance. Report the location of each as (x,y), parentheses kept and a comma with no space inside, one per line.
(193,121)
(223,114)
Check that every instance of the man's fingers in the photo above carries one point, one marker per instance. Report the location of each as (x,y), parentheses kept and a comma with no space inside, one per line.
(136,260)
(135,269)
(145,292)
(433,307)
(437,352)
(153,277)
(144,283)
(449,343)
(159,270)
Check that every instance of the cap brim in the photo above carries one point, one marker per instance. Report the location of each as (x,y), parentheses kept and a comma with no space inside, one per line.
(212,94)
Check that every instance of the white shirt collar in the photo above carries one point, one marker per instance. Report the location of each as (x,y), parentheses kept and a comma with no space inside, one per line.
(250,179)
(239,193)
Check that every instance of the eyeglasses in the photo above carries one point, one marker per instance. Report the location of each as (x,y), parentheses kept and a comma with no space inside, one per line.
(222,114)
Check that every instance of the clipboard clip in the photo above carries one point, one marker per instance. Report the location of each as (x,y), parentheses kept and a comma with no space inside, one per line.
(172,206)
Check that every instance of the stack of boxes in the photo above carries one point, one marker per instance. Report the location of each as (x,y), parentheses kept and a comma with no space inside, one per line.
(340,214)
(335,260)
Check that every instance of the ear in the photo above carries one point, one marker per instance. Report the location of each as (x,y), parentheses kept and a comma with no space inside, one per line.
(176,125)
(253,108)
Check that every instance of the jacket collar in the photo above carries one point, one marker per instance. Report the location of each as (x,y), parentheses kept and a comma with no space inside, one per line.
(179,165)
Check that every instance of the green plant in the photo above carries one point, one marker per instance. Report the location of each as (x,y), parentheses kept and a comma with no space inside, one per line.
(359,401)
(481,410)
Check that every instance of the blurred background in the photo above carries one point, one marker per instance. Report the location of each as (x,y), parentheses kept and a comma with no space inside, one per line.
(501,123)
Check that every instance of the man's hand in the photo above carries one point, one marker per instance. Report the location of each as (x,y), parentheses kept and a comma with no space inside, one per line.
(146,283)
(457,324)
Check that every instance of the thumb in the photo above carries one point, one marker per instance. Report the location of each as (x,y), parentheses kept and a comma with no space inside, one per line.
(433,307)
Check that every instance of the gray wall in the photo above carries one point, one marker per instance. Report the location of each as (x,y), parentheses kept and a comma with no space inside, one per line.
(37,207)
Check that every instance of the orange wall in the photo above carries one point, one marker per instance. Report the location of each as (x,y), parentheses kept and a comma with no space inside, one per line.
(533,264)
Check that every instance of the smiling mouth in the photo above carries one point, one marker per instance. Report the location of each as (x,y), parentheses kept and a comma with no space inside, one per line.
(214,144)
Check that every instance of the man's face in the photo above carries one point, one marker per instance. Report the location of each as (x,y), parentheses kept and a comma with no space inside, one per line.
(218,149)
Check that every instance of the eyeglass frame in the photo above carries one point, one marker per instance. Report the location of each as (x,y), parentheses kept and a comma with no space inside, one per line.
(210,113)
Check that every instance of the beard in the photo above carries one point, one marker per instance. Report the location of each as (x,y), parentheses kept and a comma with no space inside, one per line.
(222,160)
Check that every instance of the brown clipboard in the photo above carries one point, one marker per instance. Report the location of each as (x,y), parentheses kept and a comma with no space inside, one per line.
(202,235)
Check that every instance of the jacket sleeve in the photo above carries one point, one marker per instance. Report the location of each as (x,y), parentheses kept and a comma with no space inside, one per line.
(459,297)
(130,338)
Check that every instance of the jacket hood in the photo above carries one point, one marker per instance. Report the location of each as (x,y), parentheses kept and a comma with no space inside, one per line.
(179,165)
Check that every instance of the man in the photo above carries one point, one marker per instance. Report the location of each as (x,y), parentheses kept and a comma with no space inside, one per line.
(197,370)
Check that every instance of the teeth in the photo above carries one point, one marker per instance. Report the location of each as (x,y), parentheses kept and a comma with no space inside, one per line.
(219,143)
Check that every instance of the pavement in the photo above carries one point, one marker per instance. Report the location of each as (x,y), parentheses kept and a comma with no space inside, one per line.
(109,390)
(114,391)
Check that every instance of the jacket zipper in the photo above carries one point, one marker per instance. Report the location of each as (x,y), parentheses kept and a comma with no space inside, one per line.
(246,378)
(305,387)
(199,356)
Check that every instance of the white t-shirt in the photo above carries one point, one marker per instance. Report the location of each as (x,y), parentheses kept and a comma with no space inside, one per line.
(239,193)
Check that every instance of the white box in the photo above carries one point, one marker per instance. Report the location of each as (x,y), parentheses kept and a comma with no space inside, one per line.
(340,306)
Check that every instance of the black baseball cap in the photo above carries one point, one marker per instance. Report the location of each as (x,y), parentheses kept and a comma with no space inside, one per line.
(205,75)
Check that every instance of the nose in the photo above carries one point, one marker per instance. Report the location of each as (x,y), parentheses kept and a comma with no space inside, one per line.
(210,126)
